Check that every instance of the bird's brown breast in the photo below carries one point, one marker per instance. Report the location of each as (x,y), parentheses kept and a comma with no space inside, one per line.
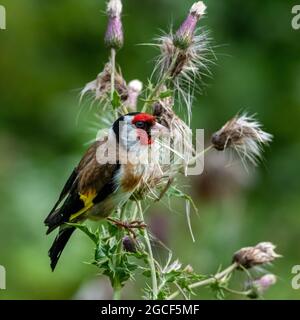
(131,177)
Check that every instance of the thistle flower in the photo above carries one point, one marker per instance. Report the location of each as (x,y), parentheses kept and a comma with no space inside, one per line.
(262,253)
(185,67)
(189,269)
(135,87)
(114,37)
(169,155)
(244,135)
(180,133)
(260,286)
(101,87)
(185,34)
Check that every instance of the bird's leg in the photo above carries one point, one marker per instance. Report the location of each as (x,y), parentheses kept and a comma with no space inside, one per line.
(129,226)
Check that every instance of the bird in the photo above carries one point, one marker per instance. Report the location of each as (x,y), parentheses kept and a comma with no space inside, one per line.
(104,179)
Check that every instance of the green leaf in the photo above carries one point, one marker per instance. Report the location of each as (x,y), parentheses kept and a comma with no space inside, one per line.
(116,101)
(172,276)
(166,94)
(94,236)
(150,86)
(147,273)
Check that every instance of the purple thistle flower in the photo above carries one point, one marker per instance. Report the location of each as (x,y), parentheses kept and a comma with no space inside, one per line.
(184,35)
(259,286)
(114,37)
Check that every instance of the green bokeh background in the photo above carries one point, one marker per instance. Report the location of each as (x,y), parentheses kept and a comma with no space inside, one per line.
(52,48)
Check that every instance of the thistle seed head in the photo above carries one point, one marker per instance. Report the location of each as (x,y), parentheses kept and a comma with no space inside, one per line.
(190,66)
(100,88)
(114,37)
(262,253)
(185,34)
(244,135)
(179,146)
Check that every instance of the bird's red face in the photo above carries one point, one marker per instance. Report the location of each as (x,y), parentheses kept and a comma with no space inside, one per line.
(146,127)
(136,129)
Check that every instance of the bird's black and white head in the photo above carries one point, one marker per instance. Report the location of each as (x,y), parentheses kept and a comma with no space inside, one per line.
(137,130)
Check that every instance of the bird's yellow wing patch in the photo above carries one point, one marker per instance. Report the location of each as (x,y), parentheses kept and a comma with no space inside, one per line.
(87,199)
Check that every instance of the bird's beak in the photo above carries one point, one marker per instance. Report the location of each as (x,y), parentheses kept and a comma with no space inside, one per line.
(159,130)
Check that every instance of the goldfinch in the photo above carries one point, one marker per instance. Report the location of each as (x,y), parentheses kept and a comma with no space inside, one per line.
(104,179)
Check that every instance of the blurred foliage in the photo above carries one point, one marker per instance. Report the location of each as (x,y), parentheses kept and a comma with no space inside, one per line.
(52,48)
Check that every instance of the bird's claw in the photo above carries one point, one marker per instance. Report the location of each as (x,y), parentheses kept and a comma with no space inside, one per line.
(129,226)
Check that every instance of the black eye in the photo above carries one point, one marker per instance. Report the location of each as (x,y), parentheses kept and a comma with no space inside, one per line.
(140,124)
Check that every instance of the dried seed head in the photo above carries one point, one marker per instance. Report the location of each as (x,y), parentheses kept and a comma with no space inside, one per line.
(170,153)
(179,146)
(184,36)
(129,244)
(186,68)
(163,110)
(249,257)
(100,88)
(186,56)
(261,285)
(244,135)
(114,37)
(135,87)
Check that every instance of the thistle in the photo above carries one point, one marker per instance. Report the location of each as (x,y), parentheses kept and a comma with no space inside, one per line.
(259,286)
(135,88)
(114,37)
(262,253)
(184,59)
(185,34)
(186,56)
(180,143)
(244,135)
(101,87)
(129,244)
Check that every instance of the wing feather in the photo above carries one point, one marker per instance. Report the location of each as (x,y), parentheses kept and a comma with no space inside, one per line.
(89,184)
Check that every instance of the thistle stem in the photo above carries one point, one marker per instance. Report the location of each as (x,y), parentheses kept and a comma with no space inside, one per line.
(163,79)
(150,255)
(112,76)
(240,293)
(113,68)
(117,285)
(217,277)
(200,154)
(117,292)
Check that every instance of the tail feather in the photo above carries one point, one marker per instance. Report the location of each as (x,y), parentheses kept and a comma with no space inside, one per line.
(59,245)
